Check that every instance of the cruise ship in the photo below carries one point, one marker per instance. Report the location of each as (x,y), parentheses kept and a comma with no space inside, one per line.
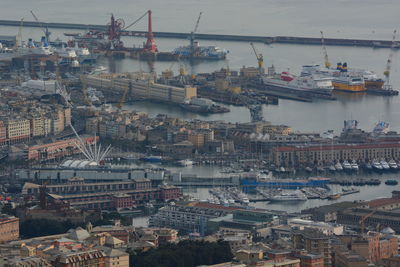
(310,83)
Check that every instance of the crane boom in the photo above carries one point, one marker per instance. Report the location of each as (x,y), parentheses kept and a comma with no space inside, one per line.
(259,56)
(192,34)
(364,218)
(327,63)
(389,63)
(197,23)
(44,28)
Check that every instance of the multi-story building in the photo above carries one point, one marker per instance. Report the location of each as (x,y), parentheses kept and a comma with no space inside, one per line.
(9,228)
(56,149)
(3,133)
(315,242)
(197,139)
(18,130)
(348,258)
(325,228)
(188,217)
(302,154)
(94,258)
(40,126)
(116,257)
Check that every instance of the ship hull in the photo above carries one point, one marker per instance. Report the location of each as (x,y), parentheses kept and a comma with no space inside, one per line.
(378,84)
(277,85)
(348,87)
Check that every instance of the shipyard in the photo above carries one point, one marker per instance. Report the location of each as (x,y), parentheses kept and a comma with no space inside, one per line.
(199,134)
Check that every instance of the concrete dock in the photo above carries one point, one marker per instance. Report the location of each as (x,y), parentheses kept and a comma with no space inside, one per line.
(220,37)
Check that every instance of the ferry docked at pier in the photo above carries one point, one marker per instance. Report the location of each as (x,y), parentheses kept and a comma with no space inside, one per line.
(315,84)
(342,78)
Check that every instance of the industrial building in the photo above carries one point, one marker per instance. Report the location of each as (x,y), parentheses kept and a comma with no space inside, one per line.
(114,195)
(80,168)
(138,87)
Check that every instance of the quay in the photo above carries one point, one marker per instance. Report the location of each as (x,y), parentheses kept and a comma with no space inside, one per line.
(220,37)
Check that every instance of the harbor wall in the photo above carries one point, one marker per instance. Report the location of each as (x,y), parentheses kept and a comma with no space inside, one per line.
(222,37)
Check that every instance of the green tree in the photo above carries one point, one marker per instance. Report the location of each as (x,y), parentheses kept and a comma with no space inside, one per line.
(186,253)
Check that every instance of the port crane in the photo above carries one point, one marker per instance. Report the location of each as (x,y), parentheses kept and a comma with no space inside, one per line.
(260,59)
(150,44)
(122,99)
(387,85)
(327,63)
(19,35)
(45,29)
(192,34)
(361,222)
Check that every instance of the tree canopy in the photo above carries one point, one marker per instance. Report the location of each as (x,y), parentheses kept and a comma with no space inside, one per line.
(186,253)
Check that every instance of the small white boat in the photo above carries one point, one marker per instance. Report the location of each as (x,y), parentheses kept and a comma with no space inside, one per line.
(354,165)
(338,166)
(385,165)
(185,162)
(377,165)
(346,166)
(245,200)
(393,165)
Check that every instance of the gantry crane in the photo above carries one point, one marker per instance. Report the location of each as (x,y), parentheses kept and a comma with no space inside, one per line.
(327,63)
(192,34)
(259,56)
(45,29)
(387,85)
(361,222)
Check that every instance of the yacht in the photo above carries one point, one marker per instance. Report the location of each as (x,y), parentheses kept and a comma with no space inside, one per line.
(376,165)
(289,196)
(368,166)
(346,166)
(338,166)
(332,168)
(185,162)
(385,165)
(354,165)
(245,200)
(393,165)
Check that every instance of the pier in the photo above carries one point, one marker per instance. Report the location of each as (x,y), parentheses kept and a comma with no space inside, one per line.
(219,37)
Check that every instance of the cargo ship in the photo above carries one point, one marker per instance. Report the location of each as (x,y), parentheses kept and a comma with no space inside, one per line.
(315,84)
